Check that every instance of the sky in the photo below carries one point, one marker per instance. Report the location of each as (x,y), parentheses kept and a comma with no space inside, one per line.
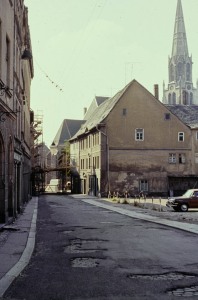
(87,48)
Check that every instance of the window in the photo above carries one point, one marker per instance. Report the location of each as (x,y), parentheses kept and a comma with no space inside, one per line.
(144,185)
(195,194)
(182,158)
(197,135)
(82,163)
(185,97)
(191,98)
(180,70)
(169,98)
(7,61)
(124,112)
(180,136)
(172,158)
(174,98)
(167,116)
(89,162)
(139,134)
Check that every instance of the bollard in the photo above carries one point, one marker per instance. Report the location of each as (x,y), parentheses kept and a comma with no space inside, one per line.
(160,203)
(152,202)
(114,196)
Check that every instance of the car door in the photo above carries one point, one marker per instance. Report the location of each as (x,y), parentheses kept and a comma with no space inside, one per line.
(193,202)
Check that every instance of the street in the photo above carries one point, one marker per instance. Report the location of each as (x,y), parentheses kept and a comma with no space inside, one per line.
(87,252)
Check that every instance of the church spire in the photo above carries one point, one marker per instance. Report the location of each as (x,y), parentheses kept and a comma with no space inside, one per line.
(180,46)
(180,87)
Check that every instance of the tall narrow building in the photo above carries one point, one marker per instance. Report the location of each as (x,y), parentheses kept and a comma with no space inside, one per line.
(180,88)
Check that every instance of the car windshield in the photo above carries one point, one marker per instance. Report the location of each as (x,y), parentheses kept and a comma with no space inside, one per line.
(188,193)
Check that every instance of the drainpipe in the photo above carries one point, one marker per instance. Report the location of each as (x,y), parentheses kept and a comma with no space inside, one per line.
(107,146)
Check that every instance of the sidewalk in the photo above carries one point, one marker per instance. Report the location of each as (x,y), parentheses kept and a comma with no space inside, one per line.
(17,244)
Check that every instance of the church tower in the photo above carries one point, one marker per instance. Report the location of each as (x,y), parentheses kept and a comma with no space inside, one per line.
(180,87)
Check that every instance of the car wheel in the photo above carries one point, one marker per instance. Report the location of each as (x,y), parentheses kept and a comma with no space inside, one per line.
(184,207)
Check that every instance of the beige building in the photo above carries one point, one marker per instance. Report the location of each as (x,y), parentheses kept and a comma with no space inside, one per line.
(132,142)
(16,72)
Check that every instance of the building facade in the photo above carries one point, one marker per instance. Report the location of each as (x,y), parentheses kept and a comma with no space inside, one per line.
(16,72)
(180,88)
(132,142)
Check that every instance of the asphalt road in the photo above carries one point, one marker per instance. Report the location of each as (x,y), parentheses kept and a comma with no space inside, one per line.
(87,252)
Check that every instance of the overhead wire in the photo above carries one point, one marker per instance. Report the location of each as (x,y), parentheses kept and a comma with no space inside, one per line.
(49,78)
(78,46)
(84,37)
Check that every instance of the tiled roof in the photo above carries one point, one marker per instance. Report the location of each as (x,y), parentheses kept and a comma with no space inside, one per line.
(188,114)
(67,129)
(101,112)
(97,101)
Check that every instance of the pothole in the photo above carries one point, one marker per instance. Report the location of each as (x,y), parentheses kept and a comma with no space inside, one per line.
(167,276)
(185,292)
(90,228)
(77,249)
(85,262)
(83,246)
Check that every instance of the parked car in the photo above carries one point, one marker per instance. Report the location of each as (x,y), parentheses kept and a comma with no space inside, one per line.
(183,203)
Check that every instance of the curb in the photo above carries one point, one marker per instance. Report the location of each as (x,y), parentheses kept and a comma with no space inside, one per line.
(193,228)
(14,272)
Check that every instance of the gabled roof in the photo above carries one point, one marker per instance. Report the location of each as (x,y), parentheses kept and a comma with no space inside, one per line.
(67,129)
(97,101)
(188,114)
(102,111)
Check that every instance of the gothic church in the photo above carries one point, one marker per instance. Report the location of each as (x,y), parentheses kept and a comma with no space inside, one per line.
(180,88)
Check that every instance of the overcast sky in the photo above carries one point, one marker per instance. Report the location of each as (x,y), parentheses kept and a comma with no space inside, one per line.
(83,48)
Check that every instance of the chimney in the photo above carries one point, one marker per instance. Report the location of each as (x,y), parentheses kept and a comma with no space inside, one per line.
(156,91)
(85,110)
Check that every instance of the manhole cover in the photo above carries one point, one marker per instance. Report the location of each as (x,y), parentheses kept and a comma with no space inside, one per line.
(85,262)
(167,276)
